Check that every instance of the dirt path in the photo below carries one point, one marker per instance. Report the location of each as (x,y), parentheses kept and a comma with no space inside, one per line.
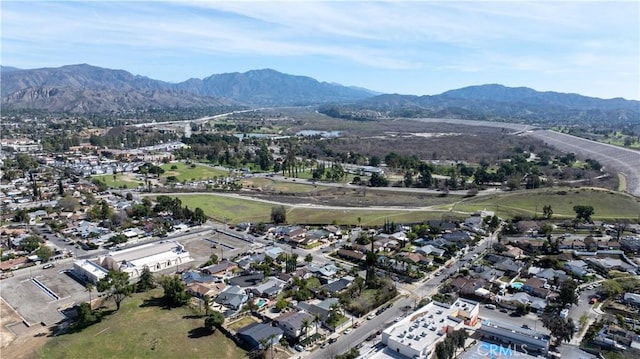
(18,341)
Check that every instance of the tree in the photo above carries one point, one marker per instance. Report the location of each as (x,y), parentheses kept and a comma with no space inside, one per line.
(378,180)
(30,243)
(44,253)
(281,304)
(560,328)
(68,203)
(305,326)
(213,321)
(89,288)
(175,294)
(612,288)
(206,302)
(85,317)
(308,258)
(198,216)
(116,285)
(583,212)
(568,292)
(278,215)
(146,281)
(547,211)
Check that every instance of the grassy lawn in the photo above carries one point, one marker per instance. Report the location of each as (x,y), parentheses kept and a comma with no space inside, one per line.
(238,210)
(121,181)
(241,323)
(606,204)
(138,331)
(184,172)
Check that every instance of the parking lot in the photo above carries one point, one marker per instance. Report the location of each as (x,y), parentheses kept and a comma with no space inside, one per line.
(531,320)
(32,302)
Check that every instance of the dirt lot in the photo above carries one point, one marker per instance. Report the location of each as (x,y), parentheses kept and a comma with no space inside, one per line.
(16,339)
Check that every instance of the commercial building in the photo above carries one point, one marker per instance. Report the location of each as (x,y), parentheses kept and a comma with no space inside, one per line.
(416,335)
(517,338)
(155,256)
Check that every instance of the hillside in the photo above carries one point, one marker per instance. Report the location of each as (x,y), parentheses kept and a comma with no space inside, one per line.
(85,88)
(498,103)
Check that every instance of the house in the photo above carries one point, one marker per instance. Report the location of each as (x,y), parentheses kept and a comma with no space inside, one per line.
(199,290)
(232,297)
(269,289)
(458,237)
(467,286)
(513,252)
(576,267)
(351,255)
(273,252)
(328,270)
(415,258)
(441,225)
(247,261)
(322,308)
(513,300)
(257,333)
(489,274)
(192,276)
(536,287)
(293,324)
(509,267)
(430,249)
(338,285)
(221,269)
(550,274)
(632,299)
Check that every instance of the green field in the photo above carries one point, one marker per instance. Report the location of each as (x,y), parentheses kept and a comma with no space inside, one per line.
(236,210)
(138,331)
(121,181)
(184,172)
(606,204)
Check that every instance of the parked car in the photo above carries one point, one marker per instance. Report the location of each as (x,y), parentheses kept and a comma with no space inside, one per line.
(371,316)
(504,310)
(371,337)
(490,306)
(349,330)
(298,347)
(48,265)
(332,340)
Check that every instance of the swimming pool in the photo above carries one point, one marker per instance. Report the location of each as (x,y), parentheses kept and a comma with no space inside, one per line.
(517,285)
(261,302)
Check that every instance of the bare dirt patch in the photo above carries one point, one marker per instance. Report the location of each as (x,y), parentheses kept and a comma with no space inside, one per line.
(16,339)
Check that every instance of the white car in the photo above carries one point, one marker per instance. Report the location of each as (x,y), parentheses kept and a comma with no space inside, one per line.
(348,331)
(371,316)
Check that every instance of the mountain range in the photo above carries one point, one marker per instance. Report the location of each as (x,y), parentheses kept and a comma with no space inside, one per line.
(84,88)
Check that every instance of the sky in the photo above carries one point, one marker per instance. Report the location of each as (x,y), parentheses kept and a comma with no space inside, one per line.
(407,47)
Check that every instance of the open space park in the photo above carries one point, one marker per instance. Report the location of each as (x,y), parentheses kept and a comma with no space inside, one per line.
(143,330)
(184,172)
(607,205)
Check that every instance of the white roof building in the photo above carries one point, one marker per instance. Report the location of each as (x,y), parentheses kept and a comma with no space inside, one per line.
(155,256)
(416,335)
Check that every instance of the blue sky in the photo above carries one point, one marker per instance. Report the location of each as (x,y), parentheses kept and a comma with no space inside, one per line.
(408,47)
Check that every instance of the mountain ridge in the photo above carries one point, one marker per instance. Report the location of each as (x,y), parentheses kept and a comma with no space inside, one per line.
(34,88)
(84,88)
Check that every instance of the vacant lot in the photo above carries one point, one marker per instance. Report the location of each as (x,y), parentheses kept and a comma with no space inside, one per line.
(185,172)
(120,181)
(141,330)
(607,204)
(239,209)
